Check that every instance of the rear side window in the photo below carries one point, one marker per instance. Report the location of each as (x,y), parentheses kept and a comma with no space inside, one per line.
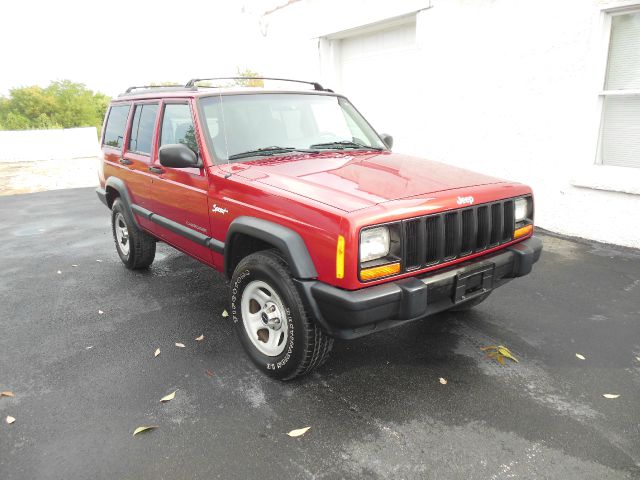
(177,126)
(116,123)
(144,121)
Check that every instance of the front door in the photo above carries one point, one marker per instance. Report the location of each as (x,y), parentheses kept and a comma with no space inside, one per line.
(179,195)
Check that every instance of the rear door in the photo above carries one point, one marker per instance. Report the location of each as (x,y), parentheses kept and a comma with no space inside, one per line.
(180,194)
(137,155)
(113,142)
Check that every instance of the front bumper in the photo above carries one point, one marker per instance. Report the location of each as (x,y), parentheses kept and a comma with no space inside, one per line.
(350,314)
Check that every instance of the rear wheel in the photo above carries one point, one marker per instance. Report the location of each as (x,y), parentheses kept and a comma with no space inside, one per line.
(272,323)
(136,248)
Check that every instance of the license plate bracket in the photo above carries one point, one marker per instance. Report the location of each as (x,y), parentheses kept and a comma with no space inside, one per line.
(473,283)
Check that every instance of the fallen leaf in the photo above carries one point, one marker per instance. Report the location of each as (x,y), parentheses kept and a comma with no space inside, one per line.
(610,395)
(7,393)
(180,345)
(225,314)
(200,338)
(10,419)
(144,429)
(209,373)
(157,352)
(59,272)
(169,397)
(74,266)
(100,312)
(499,353)
(443,381)
(581,357)
(299,432)
(505,352)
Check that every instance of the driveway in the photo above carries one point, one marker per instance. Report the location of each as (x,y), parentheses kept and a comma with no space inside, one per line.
(83,380)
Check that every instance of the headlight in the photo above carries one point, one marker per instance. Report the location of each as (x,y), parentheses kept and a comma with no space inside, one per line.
(374,243)
(521,209)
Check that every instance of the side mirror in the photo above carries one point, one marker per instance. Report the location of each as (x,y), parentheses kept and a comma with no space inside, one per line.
(177,155)
(387,139)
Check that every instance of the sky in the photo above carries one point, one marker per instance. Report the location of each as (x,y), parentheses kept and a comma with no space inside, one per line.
(112,45)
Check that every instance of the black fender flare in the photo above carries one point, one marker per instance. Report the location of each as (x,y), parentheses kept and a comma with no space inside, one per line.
(290,243)
(123,192)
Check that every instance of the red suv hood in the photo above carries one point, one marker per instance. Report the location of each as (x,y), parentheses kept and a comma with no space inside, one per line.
(355,180)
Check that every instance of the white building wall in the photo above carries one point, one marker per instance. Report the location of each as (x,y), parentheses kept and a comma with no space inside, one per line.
(505,87)
(54,144)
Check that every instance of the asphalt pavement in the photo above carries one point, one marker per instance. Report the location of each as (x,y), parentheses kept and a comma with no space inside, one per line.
(84,380)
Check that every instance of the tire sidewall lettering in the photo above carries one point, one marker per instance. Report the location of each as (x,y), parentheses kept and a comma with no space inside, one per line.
(291,344)
(236,287)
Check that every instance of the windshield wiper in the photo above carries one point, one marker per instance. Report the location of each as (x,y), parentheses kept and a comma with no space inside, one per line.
(342,144)
(265,151)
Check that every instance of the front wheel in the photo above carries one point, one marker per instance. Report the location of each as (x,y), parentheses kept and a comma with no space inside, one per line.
(271,321)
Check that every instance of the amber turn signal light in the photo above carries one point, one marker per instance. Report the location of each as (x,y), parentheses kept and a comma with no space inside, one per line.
(382,271)
(522,231)
(340,257)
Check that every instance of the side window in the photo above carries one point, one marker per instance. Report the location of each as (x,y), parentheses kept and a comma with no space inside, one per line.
(116,123)
(177,126)
(144,121)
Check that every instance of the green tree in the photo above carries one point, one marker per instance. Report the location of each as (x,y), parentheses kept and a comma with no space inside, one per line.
(63,104)
(249,75)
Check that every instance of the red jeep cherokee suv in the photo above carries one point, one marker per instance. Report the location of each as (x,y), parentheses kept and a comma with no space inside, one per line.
(323,232)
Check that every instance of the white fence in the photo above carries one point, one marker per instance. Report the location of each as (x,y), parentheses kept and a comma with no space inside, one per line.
(32,145)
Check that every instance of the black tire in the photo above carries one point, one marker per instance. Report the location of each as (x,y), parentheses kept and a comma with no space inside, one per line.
(470,304)
(306,346)
(142,246)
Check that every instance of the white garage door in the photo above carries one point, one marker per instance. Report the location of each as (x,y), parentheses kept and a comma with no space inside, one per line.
(378,72)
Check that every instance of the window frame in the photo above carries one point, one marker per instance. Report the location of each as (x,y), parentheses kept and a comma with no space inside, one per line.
(125,130)
(623,8)
(193,108)
(154,133)
(163,108)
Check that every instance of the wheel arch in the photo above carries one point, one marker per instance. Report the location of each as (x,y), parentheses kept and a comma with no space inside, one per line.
(116,188)
(247,235)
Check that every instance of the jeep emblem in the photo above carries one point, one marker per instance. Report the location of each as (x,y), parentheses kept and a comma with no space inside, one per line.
(465,200)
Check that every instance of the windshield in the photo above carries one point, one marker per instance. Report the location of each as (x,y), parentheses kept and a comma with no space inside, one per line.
(242,127)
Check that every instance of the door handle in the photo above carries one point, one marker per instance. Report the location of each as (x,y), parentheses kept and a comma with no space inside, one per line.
(125,161)
(156,170)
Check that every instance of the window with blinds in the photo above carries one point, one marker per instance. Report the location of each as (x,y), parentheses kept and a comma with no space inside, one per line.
(620,129)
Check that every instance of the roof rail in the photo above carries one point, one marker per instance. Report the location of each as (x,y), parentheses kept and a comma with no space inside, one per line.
(149,87)
(316,86)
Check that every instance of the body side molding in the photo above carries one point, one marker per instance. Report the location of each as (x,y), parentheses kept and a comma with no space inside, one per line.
(188,233)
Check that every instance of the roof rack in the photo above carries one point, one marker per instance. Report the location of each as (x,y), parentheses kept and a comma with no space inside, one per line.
(173,86)
(316,86)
